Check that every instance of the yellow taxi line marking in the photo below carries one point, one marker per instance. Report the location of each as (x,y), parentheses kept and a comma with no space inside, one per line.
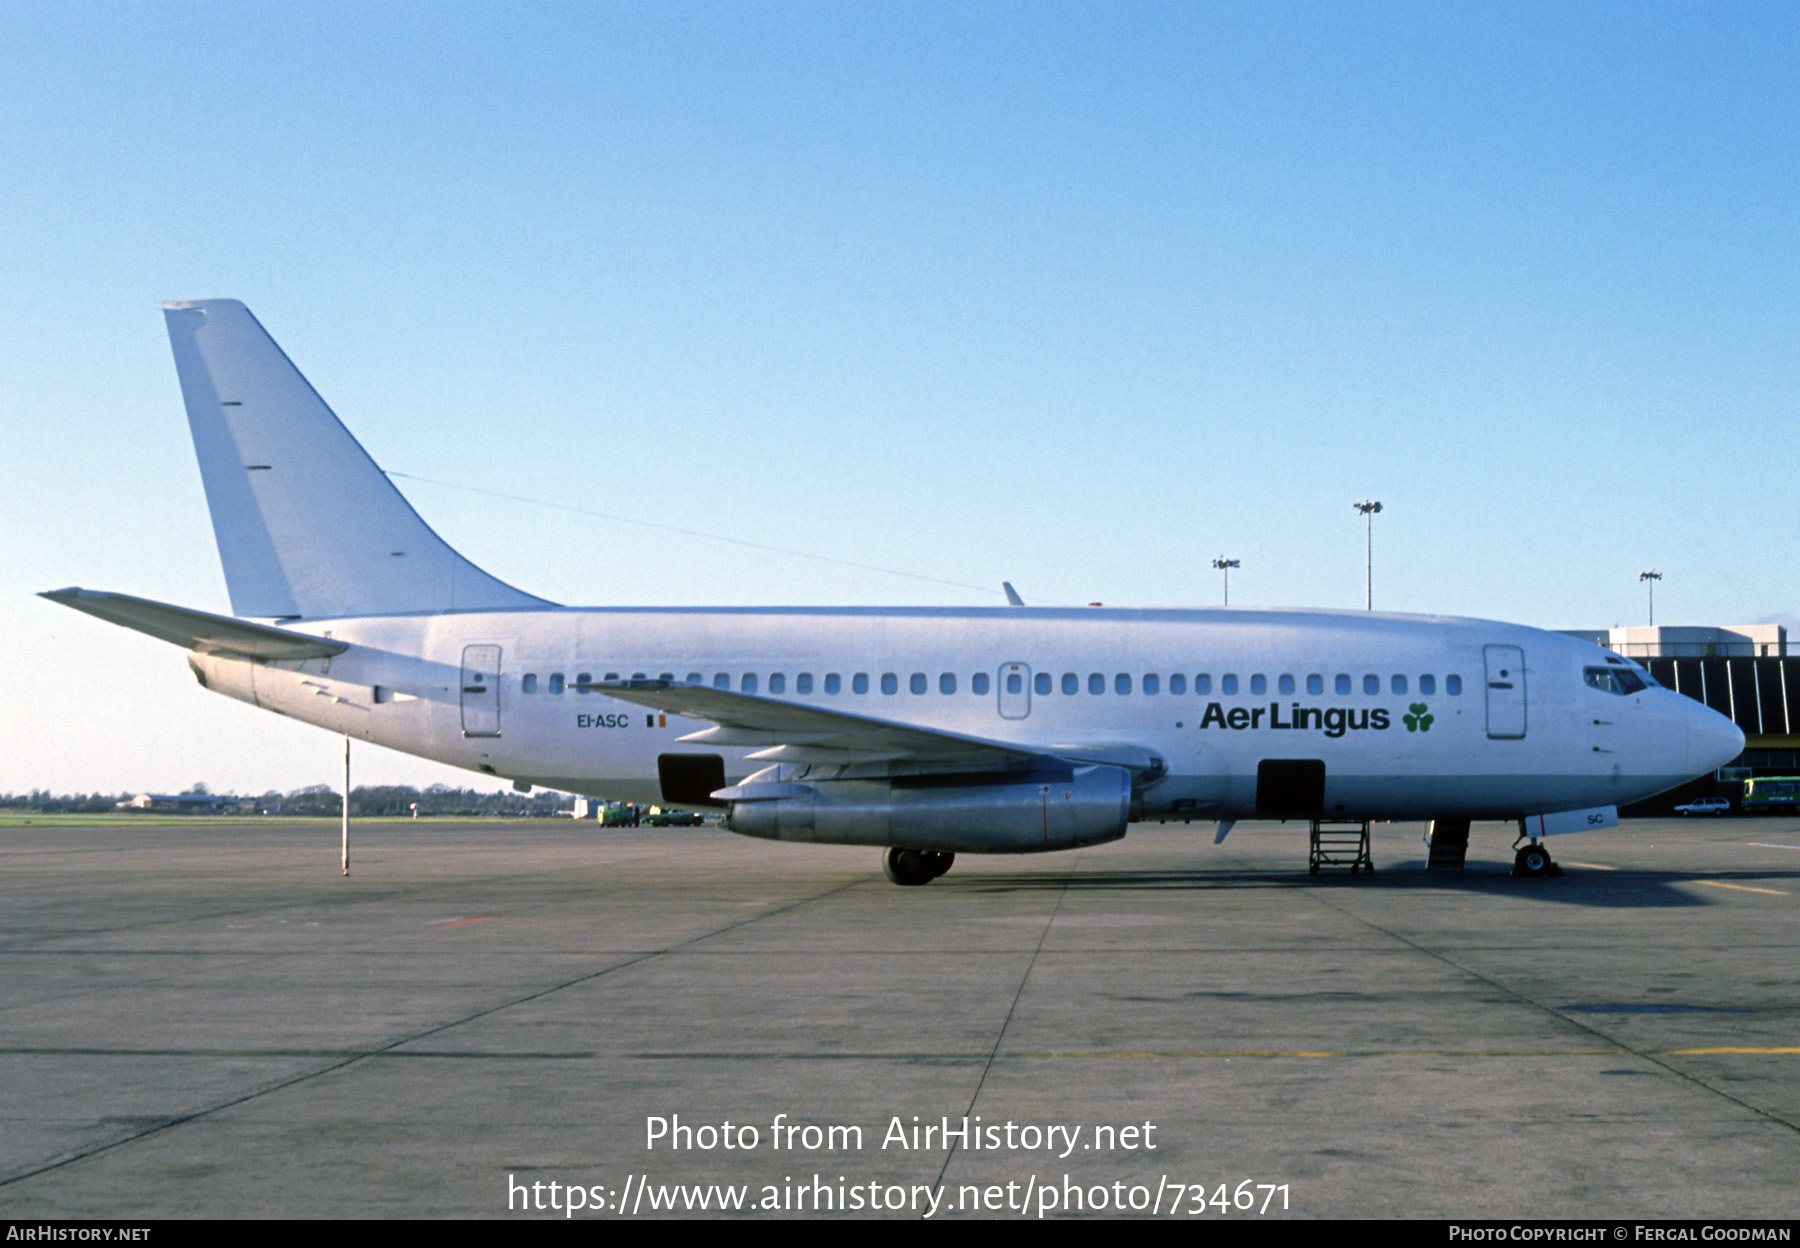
(1743,888)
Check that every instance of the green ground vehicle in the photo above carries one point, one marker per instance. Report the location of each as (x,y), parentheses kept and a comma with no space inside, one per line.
(1766,795)
(660,818)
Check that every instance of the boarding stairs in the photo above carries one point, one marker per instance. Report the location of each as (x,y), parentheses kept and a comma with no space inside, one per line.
(1447,844)
(1340,843)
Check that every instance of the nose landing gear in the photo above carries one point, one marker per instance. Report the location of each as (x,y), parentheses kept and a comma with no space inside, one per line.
(1533,861)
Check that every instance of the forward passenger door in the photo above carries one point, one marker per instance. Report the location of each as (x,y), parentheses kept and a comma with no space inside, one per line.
(1505,692)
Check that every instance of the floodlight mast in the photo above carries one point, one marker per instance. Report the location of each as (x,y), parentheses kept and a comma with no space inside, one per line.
(1226,565)
(1369,507)
(1650,579)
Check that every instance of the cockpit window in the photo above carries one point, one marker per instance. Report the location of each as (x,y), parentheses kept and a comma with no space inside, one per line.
(1619,680)
(1639,669)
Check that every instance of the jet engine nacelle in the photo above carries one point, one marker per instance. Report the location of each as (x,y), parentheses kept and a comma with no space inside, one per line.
(1011,813)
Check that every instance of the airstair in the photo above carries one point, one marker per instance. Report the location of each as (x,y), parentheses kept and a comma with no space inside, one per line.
(1447,842)
(1340,843)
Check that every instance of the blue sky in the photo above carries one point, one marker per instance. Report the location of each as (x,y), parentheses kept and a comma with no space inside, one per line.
(1076,296)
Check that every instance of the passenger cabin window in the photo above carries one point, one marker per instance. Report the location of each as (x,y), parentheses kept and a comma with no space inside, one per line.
(803,683)
(978,684)
(1096,683)
(722,680)
(556,682)
(1041,682)
(1259,684)
(1151,685)
(748,684)
(1122,683)
(1071,684)
(777,682)
(695,678)
(668,676)
(1371,685)
(1315,684)
(1427,685)
(1178,684)
(528,683)
(1014,683)
(1453,686)
(859,683)
(917,683)
(1340,683)
(1398,684)
(833,682)
(1228,685)
(582,678)
(947,683)
(890,683)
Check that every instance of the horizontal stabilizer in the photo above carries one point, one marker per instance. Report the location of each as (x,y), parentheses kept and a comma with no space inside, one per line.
(197,630)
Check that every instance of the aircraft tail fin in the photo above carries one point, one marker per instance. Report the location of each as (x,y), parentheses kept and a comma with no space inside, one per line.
(307,525)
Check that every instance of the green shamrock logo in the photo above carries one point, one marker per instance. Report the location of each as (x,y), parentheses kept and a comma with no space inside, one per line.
(1419,720)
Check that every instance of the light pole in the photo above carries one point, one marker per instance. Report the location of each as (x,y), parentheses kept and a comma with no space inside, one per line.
(1650,579)
(1225,566)
(1368,508)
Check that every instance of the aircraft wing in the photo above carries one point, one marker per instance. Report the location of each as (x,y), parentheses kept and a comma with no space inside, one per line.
(197,630)
(790,732)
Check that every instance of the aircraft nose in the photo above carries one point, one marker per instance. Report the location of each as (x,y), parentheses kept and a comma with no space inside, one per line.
(1713,741)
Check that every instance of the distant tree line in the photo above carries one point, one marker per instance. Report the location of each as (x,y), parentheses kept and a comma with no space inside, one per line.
(46,802)
(366,801)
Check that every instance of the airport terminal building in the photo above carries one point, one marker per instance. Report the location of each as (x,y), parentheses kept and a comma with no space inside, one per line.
(1742,671)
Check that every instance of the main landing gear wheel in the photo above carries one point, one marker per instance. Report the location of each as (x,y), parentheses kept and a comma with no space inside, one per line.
(1534,862)
(915,866)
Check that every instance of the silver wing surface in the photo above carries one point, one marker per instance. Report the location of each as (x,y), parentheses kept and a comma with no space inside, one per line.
(790,732)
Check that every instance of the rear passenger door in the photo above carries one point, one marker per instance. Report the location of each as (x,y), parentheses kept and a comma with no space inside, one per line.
(481,691)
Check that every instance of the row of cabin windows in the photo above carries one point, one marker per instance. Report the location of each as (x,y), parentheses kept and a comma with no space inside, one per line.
(1042,684)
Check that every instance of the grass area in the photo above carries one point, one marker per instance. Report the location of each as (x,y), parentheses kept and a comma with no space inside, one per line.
(114,819)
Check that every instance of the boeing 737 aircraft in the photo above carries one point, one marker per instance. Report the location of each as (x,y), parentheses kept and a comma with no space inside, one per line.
(926,731)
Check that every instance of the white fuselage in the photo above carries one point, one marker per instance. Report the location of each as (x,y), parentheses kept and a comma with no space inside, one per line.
(1410,715)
